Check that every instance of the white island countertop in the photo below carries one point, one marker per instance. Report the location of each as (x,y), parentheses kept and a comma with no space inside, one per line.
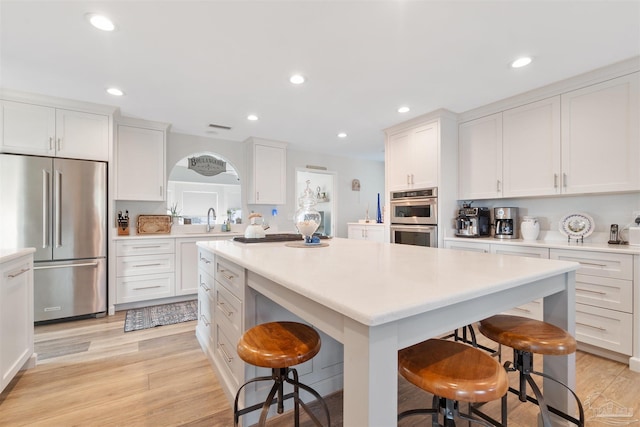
(376,298)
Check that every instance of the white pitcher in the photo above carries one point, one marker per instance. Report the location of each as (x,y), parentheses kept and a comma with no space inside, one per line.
(529,228)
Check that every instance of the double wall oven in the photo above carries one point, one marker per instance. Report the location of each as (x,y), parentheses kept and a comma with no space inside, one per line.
(414,217)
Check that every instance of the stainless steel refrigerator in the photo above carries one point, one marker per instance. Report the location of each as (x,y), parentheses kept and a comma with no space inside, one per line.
(59,207)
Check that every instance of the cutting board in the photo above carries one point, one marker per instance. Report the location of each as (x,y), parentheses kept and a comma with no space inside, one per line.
(154,224)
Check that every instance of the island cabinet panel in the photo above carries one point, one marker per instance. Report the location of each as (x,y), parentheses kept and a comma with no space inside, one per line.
(16,316)
(604,295)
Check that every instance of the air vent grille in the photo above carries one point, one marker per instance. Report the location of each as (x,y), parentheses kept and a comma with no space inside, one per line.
(213,125)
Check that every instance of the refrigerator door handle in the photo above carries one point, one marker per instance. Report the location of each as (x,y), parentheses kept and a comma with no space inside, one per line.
(46,178)
(83,264)
(58,207)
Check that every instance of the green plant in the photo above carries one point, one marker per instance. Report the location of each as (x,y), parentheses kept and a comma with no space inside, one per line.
(173,210)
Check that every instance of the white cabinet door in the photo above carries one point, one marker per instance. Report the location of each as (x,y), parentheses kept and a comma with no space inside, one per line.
(413,158)
(356,232)
(375,233)
(531,149)
(140,163)
(268,179)
(600,137)
(81,135)
(480,158)
(187,264)
(28,129)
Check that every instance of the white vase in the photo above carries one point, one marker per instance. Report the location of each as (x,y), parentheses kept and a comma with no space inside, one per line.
(529,228)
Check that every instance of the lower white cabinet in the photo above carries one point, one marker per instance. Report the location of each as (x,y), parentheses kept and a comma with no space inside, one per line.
(358,231)
(16,316)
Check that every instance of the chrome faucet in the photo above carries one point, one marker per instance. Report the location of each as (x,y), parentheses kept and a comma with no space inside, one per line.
(209,212)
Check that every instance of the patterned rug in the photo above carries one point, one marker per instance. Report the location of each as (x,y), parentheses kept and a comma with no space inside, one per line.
(158,315)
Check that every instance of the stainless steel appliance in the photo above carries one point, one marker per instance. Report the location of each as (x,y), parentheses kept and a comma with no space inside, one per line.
(419,235)
(415,206)
(473,222)
(506,223)
(414,217)
(59,207)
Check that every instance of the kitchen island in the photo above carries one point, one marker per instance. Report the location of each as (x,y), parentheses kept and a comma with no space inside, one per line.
(376,298)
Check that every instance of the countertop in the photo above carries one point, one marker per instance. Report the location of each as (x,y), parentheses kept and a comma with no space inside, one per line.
(7,255)
(554,244)
(229,234)
(375,283)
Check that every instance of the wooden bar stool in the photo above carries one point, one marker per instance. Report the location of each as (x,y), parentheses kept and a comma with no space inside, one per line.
(452,372)
(526,337)
(279,345)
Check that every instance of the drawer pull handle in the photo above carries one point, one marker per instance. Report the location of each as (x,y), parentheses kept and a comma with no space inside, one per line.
(204,286)
(226,276)
(224,310)
(591,291)
(595,264)
(146,247)
(600,328)
(147,265)
(204,320)
(524,310)
(224,352)
(147,287)
(22,271)
(206,261)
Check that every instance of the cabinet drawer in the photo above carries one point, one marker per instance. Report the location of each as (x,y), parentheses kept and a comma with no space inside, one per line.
(608,329)
(468,246)
(531,310)
(145,247)
(231,276)
(225,351)
(206,284)
(205,315)
(603,264)
(145,264)
(525,251)
(140,288)
(206,261)
(228,310)
(604,292)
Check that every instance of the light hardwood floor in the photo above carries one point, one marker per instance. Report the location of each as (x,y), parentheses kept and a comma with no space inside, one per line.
(90,373)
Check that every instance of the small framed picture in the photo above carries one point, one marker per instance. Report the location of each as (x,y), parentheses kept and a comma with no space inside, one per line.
(355,185)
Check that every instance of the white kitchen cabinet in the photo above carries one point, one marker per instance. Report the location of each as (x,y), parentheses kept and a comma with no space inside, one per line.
(16,316)
(359,231)
(604,289)
(187,263)
(145,269)
(140,155)
(480,158)
(471,246)
(48,131)
(531,149)
(413,158)
(267,162)
(601,137)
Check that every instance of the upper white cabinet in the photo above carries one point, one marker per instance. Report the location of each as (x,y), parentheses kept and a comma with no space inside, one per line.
(267,181)
(531,149)
(583,141)
(48,131)
(413,158)
(600,137)
(480,158)
(140,161)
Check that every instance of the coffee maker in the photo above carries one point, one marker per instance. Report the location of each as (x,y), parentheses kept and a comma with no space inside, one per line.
(473,222)
(506,223)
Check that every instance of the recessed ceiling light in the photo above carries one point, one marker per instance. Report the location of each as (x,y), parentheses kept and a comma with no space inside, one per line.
(297,79)
(342,135)
(404,109)
(115,91)
(252,117)
(101,22)
(521,62)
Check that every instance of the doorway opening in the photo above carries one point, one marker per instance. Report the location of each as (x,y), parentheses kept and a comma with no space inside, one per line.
(323,184)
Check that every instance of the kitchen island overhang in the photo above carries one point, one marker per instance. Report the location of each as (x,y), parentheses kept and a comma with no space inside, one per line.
(377,298)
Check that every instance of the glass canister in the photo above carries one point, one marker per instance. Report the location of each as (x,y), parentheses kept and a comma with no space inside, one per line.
(307,219)
(529,228)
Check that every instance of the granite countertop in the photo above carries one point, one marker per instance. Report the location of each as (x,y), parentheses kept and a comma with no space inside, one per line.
(553,244)
(7,255)
(375,283)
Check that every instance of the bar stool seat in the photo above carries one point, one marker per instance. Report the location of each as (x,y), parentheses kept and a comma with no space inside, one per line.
(452,372)
(279,346)
(528,337)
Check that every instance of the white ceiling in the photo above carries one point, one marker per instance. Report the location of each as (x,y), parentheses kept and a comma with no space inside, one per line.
(191,63)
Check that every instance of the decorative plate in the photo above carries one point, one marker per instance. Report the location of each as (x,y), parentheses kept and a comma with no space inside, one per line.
(577,225)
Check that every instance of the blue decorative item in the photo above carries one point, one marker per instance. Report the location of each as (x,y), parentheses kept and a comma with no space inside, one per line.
(379,217)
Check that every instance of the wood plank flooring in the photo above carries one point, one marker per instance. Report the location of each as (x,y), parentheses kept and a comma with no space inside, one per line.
(90,373)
